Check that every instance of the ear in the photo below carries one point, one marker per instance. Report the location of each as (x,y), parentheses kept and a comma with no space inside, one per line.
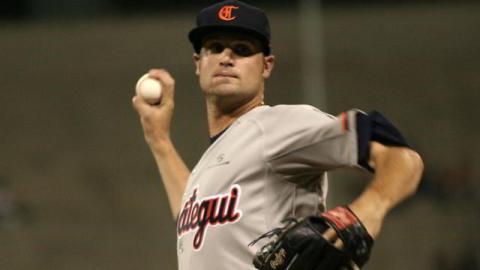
(268,64)
(196,61)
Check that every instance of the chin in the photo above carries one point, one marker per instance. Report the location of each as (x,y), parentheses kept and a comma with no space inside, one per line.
(225,89)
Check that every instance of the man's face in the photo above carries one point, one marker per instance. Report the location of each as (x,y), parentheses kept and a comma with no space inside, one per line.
(232,65)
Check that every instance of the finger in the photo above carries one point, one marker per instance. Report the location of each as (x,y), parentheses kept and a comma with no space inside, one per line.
(354,266)
(333,238)
(330,235)
(338,244)
(166,80)
(140,105)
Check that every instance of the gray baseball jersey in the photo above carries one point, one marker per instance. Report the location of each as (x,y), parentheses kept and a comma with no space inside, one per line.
(270,164)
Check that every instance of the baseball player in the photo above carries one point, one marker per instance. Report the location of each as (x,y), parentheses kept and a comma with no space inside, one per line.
(268,163)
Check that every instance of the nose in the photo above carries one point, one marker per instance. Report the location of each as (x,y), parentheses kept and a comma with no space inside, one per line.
(226,57)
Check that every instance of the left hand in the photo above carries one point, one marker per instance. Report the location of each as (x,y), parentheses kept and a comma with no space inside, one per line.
(301,245)
(371,220)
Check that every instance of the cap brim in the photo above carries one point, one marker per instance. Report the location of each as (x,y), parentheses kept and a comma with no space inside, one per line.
(197,35)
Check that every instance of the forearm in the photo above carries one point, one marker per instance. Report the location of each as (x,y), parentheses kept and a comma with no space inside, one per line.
(173,171)
(156,120)
(397,174)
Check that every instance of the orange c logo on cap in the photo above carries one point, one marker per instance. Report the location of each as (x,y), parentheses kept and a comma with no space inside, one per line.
(225,13)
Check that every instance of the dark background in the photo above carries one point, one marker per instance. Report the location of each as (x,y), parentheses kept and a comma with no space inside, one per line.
(34,9)
(80,190)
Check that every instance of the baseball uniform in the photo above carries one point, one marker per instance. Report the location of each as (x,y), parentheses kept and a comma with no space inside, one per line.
(270,164)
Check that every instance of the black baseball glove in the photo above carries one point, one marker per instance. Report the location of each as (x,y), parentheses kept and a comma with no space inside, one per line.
(299,245)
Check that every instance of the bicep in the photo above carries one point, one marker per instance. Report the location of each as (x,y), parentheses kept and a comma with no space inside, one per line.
(381,154)
(377,150)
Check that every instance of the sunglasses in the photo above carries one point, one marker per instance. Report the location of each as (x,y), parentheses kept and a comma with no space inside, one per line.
(240,48)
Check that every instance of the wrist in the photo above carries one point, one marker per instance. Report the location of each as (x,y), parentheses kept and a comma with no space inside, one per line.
(161,146)
(371,209)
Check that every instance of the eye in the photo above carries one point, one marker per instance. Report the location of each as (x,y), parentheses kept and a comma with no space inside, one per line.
(243,50)
(215,47)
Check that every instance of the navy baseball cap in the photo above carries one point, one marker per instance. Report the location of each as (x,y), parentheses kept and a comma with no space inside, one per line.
(231,16)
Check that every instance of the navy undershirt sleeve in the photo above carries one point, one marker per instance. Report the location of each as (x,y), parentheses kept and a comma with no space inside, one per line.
(375,127)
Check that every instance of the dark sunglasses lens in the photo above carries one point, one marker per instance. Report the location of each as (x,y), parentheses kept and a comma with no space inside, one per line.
(243,50)
(216,47)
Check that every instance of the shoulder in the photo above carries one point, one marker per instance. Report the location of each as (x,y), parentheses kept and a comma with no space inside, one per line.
(290,122)
(299,113)
(298,109)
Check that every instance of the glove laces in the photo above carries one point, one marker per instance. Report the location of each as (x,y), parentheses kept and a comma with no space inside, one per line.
(276,231)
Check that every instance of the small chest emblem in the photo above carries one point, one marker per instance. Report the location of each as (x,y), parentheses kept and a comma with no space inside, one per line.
(219,160)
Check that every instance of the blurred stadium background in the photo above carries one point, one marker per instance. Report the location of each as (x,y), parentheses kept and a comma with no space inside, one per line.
(79,188)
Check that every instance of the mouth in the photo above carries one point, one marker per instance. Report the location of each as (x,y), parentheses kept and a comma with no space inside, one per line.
(225,74)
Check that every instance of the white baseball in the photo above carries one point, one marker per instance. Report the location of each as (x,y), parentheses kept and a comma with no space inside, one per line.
(149,89)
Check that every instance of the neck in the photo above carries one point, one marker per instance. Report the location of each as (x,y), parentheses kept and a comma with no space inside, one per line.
(222,114)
